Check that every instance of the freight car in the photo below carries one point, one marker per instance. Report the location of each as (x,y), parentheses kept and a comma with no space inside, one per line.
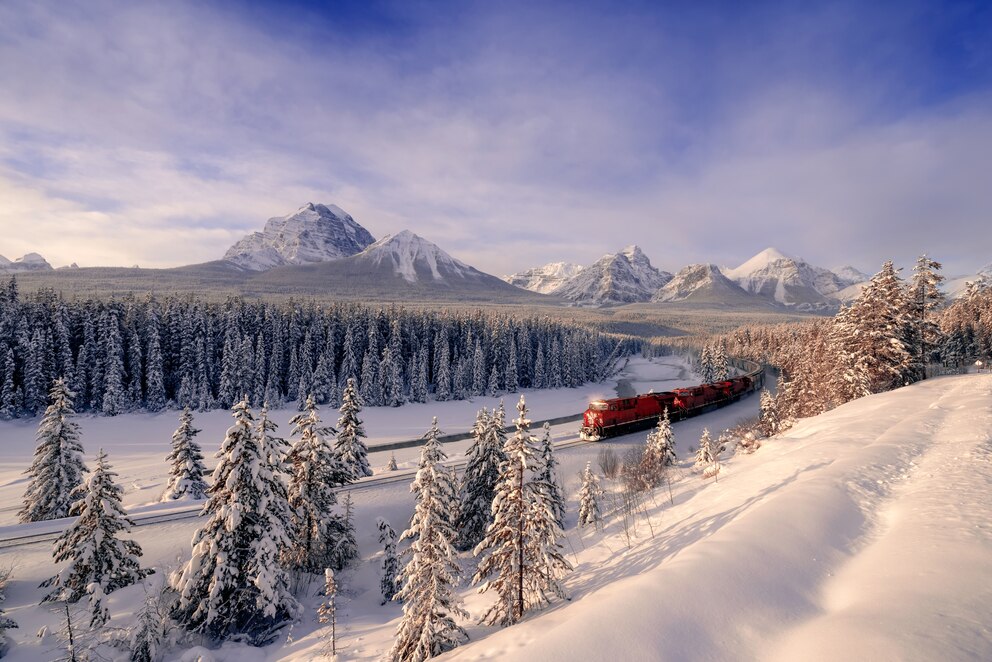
(611,418)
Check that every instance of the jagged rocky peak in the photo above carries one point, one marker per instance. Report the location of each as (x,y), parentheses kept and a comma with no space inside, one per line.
(544,279)
(788,280)
(412,257)
(700,282)
(29,262)
(624,277)
(313,233)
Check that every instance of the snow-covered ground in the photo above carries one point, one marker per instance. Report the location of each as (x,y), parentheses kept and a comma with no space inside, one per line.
(863,533)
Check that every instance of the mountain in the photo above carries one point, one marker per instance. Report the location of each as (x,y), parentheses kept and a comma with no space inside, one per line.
(313,233)
(955,286)
(706,284)
(851,276)
(403,266)
(544,279)
(625,277)
(790,281)
(29,262)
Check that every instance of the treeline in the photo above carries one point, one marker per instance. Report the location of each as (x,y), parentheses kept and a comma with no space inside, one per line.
(129,353)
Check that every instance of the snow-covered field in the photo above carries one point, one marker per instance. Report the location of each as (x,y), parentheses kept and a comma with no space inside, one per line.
(863,533)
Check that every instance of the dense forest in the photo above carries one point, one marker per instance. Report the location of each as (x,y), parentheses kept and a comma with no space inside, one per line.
(127,354)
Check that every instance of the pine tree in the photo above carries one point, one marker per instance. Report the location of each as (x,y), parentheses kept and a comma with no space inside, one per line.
(342,532)
(707,456)
(234,585)
(99,562)
(548,476)
(155,387)
(521,555)
(349,448)
(430,604)
(769,414)
(478,486)
(316,471)
(149,635)
(186,463)
(390,563)
(924,299)
(589,498)
(391,466)
(57,469)
(5,622)
(706,364)
(659,449)
(327,612)
(113,364)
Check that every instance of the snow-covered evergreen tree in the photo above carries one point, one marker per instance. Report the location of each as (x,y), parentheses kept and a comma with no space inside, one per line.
(707,455)
(659,450)
(769,413)
(390,562)
(590,494)
(341,529)
(327,612)
(234,585)
(430,604)
(315,472)
(923,301)
(5,622)
(706,364)
(522,559)
(349,448)
(57,469)
(548,475)
(99,562)
(150,634)
(186,468)
(478,486)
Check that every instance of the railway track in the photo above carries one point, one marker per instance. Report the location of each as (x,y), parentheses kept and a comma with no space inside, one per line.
(406,476)
(194,512)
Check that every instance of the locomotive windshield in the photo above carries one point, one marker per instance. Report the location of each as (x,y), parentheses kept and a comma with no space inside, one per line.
(599,405)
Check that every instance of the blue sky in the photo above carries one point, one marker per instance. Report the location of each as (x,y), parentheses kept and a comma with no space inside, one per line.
(511,134)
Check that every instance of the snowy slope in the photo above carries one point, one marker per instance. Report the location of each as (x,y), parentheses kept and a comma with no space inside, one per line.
(705,284)
(625,277)
(544,279)
(313,233)
(955,286)
(833,542)
(787,280)
(29,262)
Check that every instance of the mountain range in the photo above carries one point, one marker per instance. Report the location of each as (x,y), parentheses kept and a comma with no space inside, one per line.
(322,250)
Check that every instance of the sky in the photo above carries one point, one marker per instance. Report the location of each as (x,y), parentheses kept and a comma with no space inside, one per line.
(511,133)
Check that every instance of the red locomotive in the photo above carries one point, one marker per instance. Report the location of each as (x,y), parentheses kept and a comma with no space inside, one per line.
(609,418)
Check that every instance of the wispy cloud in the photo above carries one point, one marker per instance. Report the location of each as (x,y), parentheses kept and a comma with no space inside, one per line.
(512,135)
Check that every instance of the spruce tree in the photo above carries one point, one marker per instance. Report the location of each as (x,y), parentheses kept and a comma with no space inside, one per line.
(548,476)
(478,486)
(99,562)
(430,603)
(349,447)
(315,472)
(57,469)
(924,299)
(234,586)
(590,494)
(327,612)
(522,559)
(659,450)
(390,563)
(186,463)
(769,413)
(342,532)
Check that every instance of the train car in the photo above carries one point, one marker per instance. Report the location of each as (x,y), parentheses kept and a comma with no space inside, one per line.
(610,418)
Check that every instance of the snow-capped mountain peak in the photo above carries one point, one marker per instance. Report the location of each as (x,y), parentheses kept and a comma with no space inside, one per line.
(544,279)
(28,262)
(624,277)
(412,257)
(313,233)
(788,280)
(701,283)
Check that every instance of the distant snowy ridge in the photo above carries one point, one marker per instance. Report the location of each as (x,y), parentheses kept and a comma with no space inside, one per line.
(29,262)
(546,279)
(625,277)
(413,257)
(790,281)
(703,283)
(313,233)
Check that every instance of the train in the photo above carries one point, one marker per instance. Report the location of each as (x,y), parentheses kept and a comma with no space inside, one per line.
(611,418)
